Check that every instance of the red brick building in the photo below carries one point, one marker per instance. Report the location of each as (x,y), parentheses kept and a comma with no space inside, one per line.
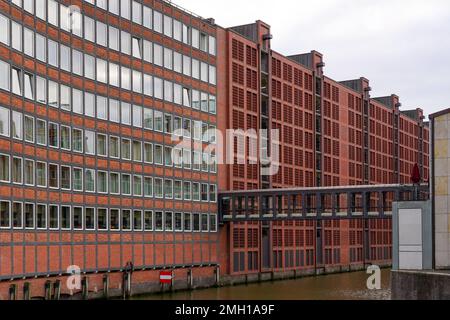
(90,99)
(332,134)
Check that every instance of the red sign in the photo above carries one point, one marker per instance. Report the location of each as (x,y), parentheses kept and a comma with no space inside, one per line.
(165,277)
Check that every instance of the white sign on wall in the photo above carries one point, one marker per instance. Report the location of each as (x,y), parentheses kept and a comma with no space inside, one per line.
(410,239)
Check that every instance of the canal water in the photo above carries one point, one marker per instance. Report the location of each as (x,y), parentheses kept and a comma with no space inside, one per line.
(345,286)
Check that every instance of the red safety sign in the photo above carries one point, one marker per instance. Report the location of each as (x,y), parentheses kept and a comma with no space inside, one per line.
(165,276)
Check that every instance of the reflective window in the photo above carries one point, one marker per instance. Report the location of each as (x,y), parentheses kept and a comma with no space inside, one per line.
(177,30)
(53,53)
(89,104)
(4,25)
(41,132)
(53,94)
(16,81)
(28,42)
(41,10)
(148,17)
(148,85)
(29,86)
(77,101)
(65,57)
(17,125)
(137,81)
(65,98)
(16,36)
(113,38)
(89,139)
(125,42)
(125,113)
(157,21)
(125,9)
(28,5)
(52,11)
(114,74)
(148,51)
(41,48)
(102,74)
(168,26)
(77,62)
(137,116)
(102,108)
(177,62)
(89,29)
(89,66)
(137,12)
(167,58)
(114,147)
(125,78)
(102,34)
(113,6)
(114,110)
(4,75)
(158,54)
(137,50)
(41,90)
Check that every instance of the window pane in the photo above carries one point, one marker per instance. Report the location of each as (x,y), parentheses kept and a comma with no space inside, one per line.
(114,38)
(53,181)
(4,75)
(29,128)
(28,41)
(90,218)
(89,146)
(52,11)
(53,217)
(41,174)
(77,62)
(16,36)
(16,81)
(137,220)
(77,138)
(157,21)
(114,113)
(4,25)
(137,12)
(137,116)
(89,29)
(168,26)
(102,74)
(4,168)
(17,125)
(65,137)
(125,113)
(89,180)
(102,108)
(102,37)
(65,178)
(17,215)
(102,219)
(29,216)
(148,17)
(125,9)
(77,179)
(17,170)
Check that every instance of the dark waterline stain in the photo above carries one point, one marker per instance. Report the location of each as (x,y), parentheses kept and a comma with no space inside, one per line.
(344,286)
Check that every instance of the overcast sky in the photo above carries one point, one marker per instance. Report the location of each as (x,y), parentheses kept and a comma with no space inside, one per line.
(401,46)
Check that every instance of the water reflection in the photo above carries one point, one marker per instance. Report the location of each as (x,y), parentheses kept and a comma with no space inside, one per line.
(345,286)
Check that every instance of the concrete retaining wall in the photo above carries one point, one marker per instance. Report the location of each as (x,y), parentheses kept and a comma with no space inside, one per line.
(411,285)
